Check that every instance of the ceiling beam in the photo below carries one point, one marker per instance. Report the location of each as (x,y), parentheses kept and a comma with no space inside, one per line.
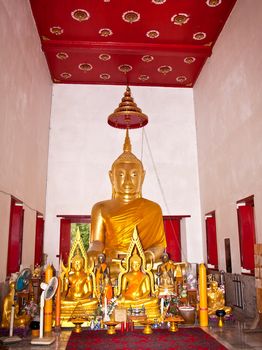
(128,48)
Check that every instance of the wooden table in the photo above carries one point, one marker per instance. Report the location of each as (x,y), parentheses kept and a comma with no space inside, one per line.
(174,320)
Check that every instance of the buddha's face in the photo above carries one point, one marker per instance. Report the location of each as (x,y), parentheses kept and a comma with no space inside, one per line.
(214,286)
(165,258)
(77,264)
(135,265)
(127,179)
(101,258)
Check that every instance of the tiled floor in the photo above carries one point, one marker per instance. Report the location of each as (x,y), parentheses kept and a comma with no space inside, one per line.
(233,336)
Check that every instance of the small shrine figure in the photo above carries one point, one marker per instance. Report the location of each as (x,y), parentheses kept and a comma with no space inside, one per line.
(37,272)
(20,320)
(101,271)
(216,299)
(165,274)
(78,284)
(136,288)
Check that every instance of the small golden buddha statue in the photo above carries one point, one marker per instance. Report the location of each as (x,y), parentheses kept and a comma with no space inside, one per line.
(165,274)
(113,220)
(216,299)
(78,284)
(136,287)
(20,320)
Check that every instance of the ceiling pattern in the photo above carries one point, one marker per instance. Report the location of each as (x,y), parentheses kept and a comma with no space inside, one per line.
(129,42)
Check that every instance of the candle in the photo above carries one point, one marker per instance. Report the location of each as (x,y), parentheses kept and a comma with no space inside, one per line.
(105,307)
(58,305)
(162,306)
(203,312)
(12,320)
(48,303)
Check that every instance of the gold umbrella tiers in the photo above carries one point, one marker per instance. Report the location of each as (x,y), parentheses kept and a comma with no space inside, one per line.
(127,115)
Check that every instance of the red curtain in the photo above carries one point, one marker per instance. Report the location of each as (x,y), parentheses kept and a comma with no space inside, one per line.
(65,231)
(172,229)
(39,240)
(211,236)
(15,237)
(247,236)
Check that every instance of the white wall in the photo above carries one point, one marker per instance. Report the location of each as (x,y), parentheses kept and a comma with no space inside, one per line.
(25,91)
(229,125)
(83,147)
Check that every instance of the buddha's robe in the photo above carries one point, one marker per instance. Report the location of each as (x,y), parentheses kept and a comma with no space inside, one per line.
(119,223)
(136,286)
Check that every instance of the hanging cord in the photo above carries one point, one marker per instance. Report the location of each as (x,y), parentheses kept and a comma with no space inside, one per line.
(142,144)
(161,190)
(24,204)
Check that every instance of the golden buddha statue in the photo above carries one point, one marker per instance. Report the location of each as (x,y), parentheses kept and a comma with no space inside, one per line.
(136,283)
(113,220)
(78,284)
(165,274)
(20,320)
(216,299)
(101,271)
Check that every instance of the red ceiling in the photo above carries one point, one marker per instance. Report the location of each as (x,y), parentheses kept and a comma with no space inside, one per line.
(146,42)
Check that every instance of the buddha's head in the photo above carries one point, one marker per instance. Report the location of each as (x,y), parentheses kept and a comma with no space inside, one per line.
(135,262)
(101,258)
(214,285)
(164,257)
(127,174)
(77,262)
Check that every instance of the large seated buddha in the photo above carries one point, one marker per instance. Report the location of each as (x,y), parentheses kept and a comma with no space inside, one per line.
(78,285)
(113,221)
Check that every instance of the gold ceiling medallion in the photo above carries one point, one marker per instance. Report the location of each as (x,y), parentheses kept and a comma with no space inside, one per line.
(147,58)
(85,67)
(143,77)
(181,79)
(80,15)
(158,2)
(65,75)
(152,34)
(189,60)
(131,16)
(199,36)
(213,3)
(62,55)
(56,30)
(104,76)
(105,32)
(180,19)
(125,68)
(164,69)
(104,57)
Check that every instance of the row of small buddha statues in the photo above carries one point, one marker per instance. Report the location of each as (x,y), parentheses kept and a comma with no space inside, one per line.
(83,289)
(137,284)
